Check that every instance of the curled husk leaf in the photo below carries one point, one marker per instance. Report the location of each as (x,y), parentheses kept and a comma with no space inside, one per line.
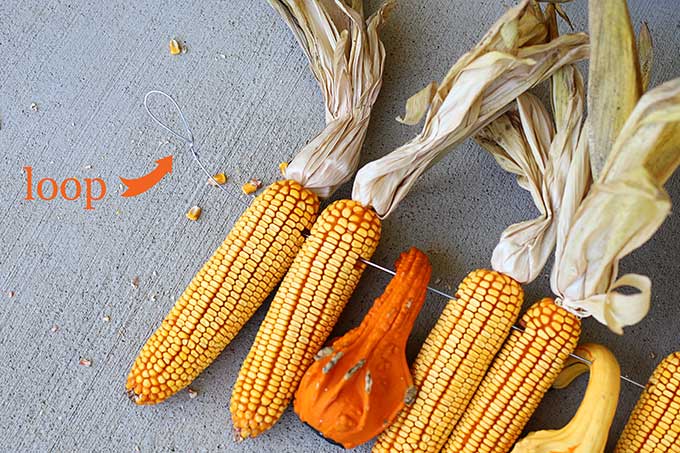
(588,430)
(616,217)
(347,57)
(512,57)
(359,384)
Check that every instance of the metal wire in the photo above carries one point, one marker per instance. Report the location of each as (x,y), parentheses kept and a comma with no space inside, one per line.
(189,141)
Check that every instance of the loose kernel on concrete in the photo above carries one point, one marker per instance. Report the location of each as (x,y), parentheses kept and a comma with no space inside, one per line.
(251,186)
(217,179)
(194,213)
(175,47)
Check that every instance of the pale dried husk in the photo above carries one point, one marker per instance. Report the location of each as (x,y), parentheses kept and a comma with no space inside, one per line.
(524,247)
(614,81)
(621,212)
(545,152)
(542,152)
(635,146)
(646,51)
(651,136)
(511,58)
(347,57)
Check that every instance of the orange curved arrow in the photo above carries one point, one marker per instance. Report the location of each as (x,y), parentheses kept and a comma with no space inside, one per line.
(143,183)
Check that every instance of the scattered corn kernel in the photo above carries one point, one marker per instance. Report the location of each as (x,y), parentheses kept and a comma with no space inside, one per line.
(194,213)
(135,281)
(192,393)
(251,186)
(175,47)
(217,180)
(282,168)
(85,362)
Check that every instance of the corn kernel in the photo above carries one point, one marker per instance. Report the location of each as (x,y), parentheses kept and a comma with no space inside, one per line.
(653,424)
(519,376)
(251,186)
(194,213)
(282,168)
(217,179)
(175,47)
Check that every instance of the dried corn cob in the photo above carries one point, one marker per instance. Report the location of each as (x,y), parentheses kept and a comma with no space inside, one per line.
(303,313)
(523,371)
(225,293)
(453,361)
(654,425)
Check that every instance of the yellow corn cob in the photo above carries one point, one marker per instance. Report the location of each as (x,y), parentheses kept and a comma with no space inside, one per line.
(225,293)
(654,425)
(453,361)
(523,371)
(303,313)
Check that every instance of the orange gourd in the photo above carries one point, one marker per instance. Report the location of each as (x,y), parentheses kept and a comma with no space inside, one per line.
(358,384)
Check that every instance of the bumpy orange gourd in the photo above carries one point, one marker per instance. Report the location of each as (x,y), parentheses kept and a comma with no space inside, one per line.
(358,385)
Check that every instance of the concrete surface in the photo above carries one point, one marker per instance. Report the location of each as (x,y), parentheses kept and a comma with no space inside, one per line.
(87,65)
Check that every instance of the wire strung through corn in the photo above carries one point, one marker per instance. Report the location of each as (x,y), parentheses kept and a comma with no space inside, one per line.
(453,361)
(303,313)
(225,293)
(654,425)
(519,376)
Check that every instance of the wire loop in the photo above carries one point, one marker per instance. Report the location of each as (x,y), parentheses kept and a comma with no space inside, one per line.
(188,140)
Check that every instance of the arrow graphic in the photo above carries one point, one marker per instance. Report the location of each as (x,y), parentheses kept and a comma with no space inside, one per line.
(143,183)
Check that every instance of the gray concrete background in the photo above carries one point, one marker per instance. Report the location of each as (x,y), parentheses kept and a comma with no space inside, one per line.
(87,66)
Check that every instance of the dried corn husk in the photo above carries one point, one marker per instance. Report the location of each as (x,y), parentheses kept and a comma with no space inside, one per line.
(519,141)
(621,212)
(651,136)
(614,82)
(646,50)
(542,152)
(628,203)
(346,56)
(511,58)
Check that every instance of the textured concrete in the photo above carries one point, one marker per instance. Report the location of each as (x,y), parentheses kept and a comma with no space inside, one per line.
(87,65)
